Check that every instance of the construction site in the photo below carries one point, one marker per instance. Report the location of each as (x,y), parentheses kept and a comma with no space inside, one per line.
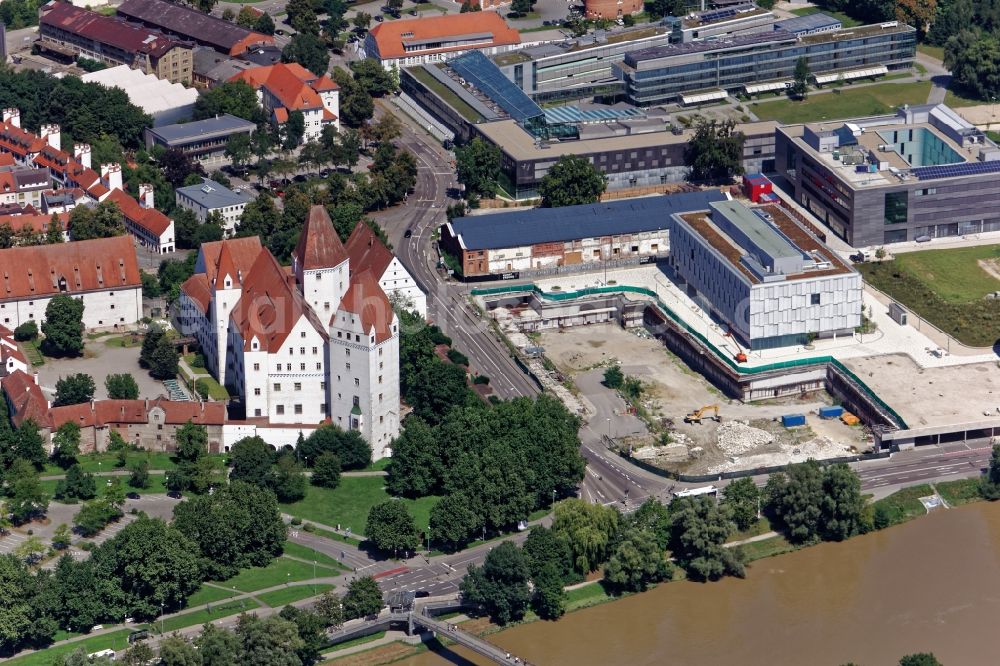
(689,425)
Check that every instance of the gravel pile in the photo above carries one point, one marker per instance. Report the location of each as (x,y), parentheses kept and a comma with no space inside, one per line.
(736,437)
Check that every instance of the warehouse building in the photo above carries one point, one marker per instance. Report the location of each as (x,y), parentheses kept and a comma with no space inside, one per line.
(166,102)
(70,31)
(701,71)
(923,173)
(766,278)
(192,25)
(204,140)
(551,240)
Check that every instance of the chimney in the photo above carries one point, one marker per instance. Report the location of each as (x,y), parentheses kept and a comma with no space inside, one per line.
(93,404)
(111,176)
(146,195)
(12,116)
(34,378)
(81,152)
(53,135)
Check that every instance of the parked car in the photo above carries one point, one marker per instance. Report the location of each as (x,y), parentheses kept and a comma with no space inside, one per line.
(407,233)
(174,494)
(279,32)
(132,495)
(378,18)
(923,239)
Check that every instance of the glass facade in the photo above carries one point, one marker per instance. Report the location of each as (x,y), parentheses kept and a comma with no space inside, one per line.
(896,207)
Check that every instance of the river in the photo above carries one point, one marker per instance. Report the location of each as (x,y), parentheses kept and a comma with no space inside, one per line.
(932,584)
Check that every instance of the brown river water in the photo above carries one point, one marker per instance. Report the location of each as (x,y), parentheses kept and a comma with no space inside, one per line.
(932,584)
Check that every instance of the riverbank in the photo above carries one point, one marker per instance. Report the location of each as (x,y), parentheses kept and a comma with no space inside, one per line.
(901,507)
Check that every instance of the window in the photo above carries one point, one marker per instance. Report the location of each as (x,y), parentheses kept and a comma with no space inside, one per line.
(322,386)
(277,387)
(357,382)
(813,299)
(319,366)
(302,350)
(896,207)
(314,351)
(347,352)
(112,306)
(302,335)
(348,366)
(380,397)
(302,367)
(298,408)
(280,409)
(256,412)
(256,391)
(256,366)
(298,386)
(357,401)
(380,379)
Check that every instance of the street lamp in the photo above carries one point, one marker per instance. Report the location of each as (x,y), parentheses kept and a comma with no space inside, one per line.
(428,539)
(161,618)
(553,497)
(314,578)
(609,427)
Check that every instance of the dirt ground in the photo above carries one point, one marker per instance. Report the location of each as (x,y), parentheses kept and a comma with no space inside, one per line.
(672,390)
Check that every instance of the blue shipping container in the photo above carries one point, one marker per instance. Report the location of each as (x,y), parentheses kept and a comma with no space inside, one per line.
(792,420)
(833,412)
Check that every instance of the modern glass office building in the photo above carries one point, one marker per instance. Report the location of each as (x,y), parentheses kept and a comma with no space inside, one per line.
(665,73)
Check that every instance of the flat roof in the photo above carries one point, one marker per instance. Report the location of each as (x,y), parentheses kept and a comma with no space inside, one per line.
(520,145)
(759,232)
(211,194)
(800,238)
(714,16)
(817,21)
(551,225)
(688,48)
(198,129)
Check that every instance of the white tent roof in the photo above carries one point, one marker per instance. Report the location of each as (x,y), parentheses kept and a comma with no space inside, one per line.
(698,98)
(881,70)
(152,95)
(766,87)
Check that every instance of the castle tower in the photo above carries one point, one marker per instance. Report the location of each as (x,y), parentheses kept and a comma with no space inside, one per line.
(320,264)
(227,287)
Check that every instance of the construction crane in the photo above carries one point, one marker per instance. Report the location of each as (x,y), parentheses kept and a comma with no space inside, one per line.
(696,416)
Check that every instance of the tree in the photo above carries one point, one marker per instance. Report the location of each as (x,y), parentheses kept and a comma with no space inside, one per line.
(354,452)
(63,325)
(264,24)
(66,444)
(326,470)
(390,527)
(102,221)
(356,105)
(27,500)
(54,232)
(74,389)
(139,474)
(661,8)
(236,98)
(149,343)
(572,181)
(311,629)
(613,377)
(17,603)
(287,480)
(813,503)
(237,526)
(453,522)
(177,166)
(94,516)
(478,167)
(30,550)
(294,129)
(308,50)
(363,598)
(743,499)
(715,153)
(801,84)
(920,659)
(361,21)
(971,57)
(192,442)
(175,650)
(62,537)
(543,548)
(273,640)
(373,77)
(416,466)
(436,388)
(138,654)
(384,130)
(989,485)
(520,7)
(28,444)
(549,599)
(331,608)
(26,331)
(218,646)
(164,360)
(238,149)
(953,17)
(588,529)
(636,563)
(77,485)
(247,17)
(203,5)
(501,584)
(114,493)
(698,530)
(251,459)
(121,386)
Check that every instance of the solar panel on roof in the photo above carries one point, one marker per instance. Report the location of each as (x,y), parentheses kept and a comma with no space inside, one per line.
(952,170)
(479,71)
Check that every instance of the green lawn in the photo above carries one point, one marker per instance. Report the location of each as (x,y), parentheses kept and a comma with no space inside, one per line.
(762,526)
(189,359)
(379,465)
(955,100)
(905,504)
(959,492)
(356,641)
(845,20)
(106,462)
(846,102)
(34,354)
(588,595)
(202,616)
(281,570)
(207,594)
(208,384)
(349,503)
(946,287)
(280,598)
(766,548)
(116,640)
(128,340)
(932,51)
(306,553)
(333,536)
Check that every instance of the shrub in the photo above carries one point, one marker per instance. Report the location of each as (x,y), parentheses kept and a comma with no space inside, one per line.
(198,361)
(296,521)
(481,379)
(309,527)
(26,331)
(457,357)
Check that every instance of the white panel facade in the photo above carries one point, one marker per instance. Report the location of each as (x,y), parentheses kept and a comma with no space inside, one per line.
(101,309)
(397,283)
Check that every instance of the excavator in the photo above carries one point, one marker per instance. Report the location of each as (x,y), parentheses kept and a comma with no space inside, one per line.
(696,416)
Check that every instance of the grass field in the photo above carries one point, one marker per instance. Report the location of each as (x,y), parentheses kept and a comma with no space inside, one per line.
(955,101)
(280,598)
(758,550)
(116,640)
(282,570)
(199,617)
(846,20)
(306,553)
(208,595)
(849,102)
(105,462)
(349,503)
(588,595)
(932,51)
(946,287)
(905,504)
(215,390)
(959,492)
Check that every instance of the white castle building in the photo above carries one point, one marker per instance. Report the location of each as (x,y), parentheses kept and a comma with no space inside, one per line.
(314,343)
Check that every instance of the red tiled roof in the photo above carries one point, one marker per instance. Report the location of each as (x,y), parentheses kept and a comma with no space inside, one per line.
(389,36)
(319,246)
(329,115)
(270,306)
(226,267)
(199,413)
(18,141)
(366,299)
(190,23)
(10,349)
(148,218)
(102,413)
(281,115)
(6,159)
(90,265)
(293,85)
(197,289)
(105,30)
(244,252)
(367,252)
(26,397)
(37,222)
